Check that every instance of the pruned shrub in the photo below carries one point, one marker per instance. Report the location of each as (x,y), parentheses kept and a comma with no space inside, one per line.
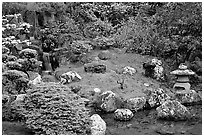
(52,109)
(28,53)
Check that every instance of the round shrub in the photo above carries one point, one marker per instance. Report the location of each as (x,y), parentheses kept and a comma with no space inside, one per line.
(14,82)
(14,74)
(28,53)
(13,65)
(52,109)
(25,63)
(6,58)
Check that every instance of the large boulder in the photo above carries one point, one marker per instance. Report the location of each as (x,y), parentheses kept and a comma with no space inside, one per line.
(189,98)
(173,110)
(156,97)
(104,55)
(123,114)
(95,67)
(108,101)
(135,104)
(98,126)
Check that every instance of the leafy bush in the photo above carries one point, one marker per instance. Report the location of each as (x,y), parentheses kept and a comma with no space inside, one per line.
(14,74)
(14,82)
(13,65)
(52,109)
(31,64)
(28,53)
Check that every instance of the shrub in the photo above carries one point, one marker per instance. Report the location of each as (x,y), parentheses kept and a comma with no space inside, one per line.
(14,82)
(14,74)
(28,53)
(52,109)
(13,65)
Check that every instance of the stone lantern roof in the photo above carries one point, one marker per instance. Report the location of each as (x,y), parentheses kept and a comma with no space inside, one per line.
(182,71)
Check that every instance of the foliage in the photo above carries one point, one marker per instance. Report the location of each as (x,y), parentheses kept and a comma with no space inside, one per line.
(52,109)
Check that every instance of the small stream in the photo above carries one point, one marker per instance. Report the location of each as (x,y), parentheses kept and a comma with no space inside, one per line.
(146,123)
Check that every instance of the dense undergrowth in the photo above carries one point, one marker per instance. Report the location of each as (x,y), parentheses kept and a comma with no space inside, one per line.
(167,30)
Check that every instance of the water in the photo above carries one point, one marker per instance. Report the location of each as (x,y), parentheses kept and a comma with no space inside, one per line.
(146,123)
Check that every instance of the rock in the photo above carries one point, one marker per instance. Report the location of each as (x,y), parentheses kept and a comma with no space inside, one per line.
(156,98)
(158,73)
(154,69)
(69,77)
(95,67)
(107,101)
(129,70)
(172,110)
(123,114)
(146,84)
(75,88)
(97,90)
(35,81)
(189,98)
(135,104)
(104,55)
(32,75)
(98,126)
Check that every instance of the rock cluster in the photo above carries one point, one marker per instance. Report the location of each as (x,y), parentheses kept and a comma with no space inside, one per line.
(173,110)
(189,98)
(157,97)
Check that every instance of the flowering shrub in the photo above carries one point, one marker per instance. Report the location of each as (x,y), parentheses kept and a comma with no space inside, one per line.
(52,109)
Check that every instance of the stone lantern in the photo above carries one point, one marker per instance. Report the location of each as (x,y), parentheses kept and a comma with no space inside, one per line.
(182,84)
